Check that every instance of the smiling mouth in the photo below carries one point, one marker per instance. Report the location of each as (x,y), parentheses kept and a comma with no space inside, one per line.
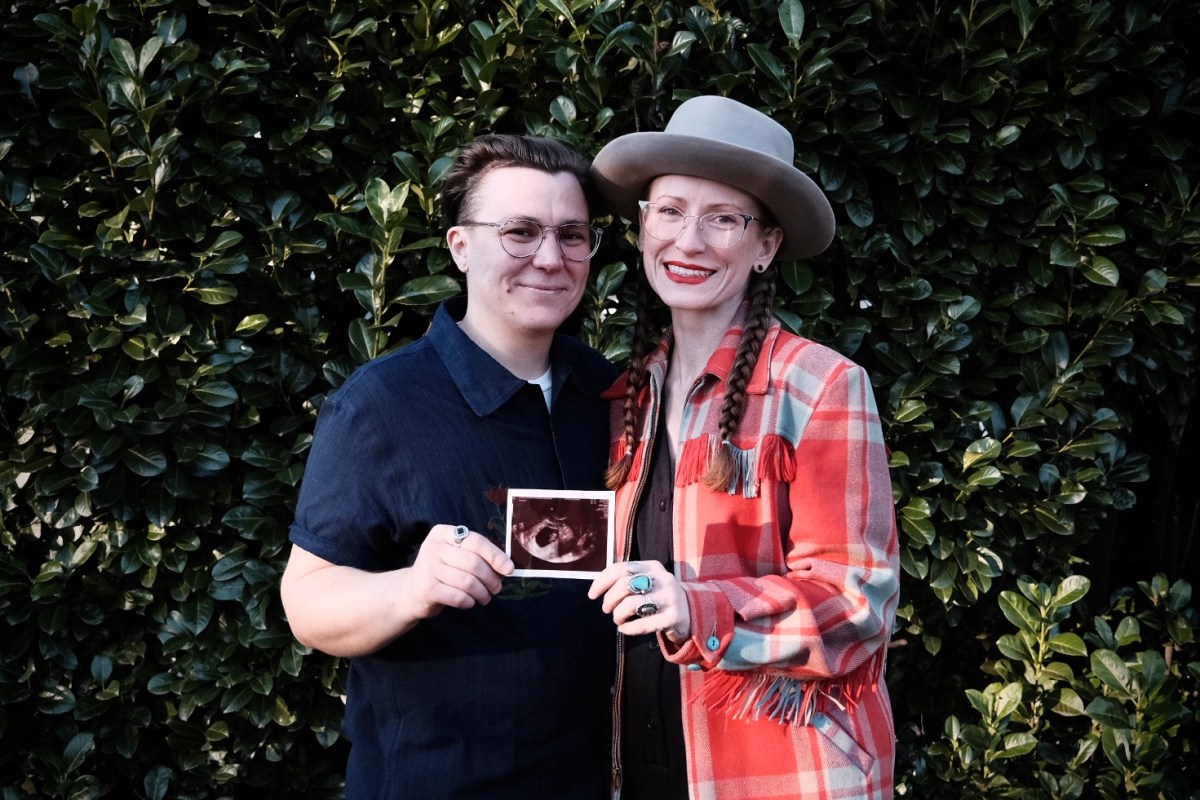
(546,289)
(678,272)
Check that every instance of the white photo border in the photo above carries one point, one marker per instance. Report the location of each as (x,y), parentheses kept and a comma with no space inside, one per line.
(516,496)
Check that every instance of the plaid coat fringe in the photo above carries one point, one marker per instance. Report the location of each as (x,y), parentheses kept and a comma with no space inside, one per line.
(791,576)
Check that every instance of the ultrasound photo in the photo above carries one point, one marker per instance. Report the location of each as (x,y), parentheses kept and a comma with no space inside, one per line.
(559,534)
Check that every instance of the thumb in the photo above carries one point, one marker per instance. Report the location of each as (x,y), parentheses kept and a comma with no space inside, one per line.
(496,558)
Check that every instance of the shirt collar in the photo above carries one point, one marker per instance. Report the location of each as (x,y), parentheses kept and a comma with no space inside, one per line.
(484,383)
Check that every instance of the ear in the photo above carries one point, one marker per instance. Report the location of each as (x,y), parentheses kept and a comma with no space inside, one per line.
(456,238)
(769,245)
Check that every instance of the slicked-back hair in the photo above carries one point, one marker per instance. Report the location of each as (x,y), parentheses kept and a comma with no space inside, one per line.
(496,150)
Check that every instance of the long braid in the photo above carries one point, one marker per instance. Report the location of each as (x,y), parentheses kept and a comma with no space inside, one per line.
(639,348)
(721,469)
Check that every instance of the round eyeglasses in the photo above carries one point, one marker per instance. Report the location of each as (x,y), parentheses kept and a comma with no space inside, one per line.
(521,238)
(720,229)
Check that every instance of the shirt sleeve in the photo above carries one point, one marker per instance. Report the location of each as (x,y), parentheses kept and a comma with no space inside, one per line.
(342,514)
(830,609)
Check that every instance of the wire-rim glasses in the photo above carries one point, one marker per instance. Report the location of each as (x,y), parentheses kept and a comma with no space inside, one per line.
(720,229)
(521,238)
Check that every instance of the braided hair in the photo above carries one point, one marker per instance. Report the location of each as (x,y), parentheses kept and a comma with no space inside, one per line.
(639,348)
(721,469)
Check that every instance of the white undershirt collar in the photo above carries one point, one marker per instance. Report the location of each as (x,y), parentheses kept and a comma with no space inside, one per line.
(545,382)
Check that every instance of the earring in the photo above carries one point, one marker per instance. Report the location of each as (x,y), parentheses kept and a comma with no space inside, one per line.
(760,268)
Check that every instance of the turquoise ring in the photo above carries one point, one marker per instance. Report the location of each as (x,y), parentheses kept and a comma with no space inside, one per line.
(640,584)
(647,609)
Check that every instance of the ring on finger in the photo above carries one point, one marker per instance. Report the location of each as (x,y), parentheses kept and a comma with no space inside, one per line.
(461,532)
(647,609)
(640,584)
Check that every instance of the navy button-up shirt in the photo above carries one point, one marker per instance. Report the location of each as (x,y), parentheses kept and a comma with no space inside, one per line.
(499,701)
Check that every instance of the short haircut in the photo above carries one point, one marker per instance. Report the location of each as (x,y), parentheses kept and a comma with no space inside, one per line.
(496,150)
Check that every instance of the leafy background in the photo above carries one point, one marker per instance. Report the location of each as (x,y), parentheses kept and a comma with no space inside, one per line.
(211,213)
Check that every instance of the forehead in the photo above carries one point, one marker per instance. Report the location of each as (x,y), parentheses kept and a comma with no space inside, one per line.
(702,191)
(526,192)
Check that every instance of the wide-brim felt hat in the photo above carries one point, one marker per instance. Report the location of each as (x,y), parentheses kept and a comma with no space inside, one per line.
(722,140)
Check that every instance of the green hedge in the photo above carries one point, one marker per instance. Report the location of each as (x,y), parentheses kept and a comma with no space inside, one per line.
(211,212)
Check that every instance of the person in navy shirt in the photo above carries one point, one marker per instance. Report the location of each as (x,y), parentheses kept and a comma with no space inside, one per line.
(465,682)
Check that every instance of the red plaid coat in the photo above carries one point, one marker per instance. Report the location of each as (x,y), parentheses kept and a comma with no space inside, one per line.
(791,576)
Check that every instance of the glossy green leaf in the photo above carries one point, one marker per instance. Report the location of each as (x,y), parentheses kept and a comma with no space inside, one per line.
(217,394)
(157,782)
(1108,712)
(1071,590)
(1007,700)
(215,295)
(1068,644)
(1100,270)
(980,452)
(1112,670)
(1019,611)
(1017,744)
(791,20)
(145,461)
(562,110)
(428,290)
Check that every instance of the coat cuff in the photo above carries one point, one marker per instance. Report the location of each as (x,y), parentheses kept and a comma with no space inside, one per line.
(712,628)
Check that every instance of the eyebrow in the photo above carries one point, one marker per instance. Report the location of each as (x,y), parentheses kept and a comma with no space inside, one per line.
(671,200)
(526,218)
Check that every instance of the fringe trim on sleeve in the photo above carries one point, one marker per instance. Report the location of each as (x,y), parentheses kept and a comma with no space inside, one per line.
(753,695)
(769,460)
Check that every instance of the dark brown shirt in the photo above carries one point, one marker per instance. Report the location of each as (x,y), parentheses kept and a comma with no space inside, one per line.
(652,756)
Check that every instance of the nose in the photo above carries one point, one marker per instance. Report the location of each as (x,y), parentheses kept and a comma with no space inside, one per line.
(549,254)
(689,238)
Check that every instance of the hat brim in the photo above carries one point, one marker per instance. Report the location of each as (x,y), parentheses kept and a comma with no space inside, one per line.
(625,166)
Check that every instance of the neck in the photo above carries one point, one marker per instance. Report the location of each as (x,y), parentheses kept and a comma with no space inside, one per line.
(696,337)
(527,356)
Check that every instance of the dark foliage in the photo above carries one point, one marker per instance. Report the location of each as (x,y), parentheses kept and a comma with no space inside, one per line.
(211,212)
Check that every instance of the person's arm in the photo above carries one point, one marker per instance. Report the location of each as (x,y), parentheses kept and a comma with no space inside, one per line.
(831,610)
(345,611)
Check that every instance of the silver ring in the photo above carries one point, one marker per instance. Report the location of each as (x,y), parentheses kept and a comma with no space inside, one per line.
(640,584)
(647,609)
(461,532)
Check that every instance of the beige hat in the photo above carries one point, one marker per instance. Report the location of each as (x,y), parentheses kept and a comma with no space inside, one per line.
(722,140)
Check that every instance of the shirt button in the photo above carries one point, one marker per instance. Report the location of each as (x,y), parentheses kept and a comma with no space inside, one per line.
(662,505)
(693,667)
(713,643)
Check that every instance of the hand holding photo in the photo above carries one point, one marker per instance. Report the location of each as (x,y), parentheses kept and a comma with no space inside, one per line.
(559,534)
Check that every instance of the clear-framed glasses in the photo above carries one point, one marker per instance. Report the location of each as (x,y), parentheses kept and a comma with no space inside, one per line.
(720,229)
(521,238)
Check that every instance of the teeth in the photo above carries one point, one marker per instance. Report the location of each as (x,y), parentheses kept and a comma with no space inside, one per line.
(690,273)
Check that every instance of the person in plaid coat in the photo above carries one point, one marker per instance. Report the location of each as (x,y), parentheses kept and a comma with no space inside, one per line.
(757,577)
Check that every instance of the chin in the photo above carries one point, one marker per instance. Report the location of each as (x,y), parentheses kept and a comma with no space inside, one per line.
(542,323)
(685,303)
(545,315)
